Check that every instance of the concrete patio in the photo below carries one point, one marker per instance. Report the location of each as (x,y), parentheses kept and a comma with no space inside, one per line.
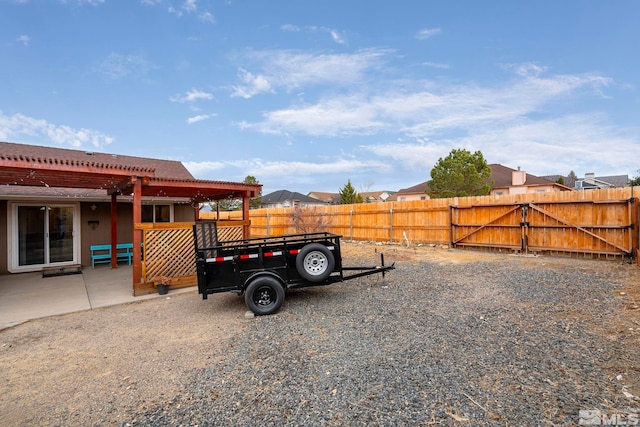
(29,296)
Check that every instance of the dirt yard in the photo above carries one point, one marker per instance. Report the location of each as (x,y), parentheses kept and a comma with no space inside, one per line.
(75,369)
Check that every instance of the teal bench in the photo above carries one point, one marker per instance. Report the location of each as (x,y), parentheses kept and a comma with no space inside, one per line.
(124,252)
(102,253)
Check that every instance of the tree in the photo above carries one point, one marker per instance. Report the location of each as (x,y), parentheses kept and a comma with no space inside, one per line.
(225,205)
(560,180)
(571,179)
(255,202)
(349,195)
(308,219)
(635,180)
(460,174)
(236,204)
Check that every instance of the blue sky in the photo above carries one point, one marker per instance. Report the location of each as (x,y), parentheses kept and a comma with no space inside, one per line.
(305,95)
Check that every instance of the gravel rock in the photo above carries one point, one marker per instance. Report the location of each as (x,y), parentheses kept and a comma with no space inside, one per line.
(448,339)
(491,343)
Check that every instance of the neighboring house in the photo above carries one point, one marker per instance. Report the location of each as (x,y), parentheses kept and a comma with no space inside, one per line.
(367,196)
(591,182)
(505,181)
(289,199)
(417,192)
(376,196)
(516,181)
(55,203)
(328,198)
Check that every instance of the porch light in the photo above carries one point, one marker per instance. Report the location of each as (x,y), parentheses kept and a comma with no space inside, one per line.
(94,207)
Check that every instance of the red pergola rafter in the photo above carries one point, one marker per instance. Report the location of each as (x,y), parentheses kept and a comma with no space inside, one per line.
(117,179)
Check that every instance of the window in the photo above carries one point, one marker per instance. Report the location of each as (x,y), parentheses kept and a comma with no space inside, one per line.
(156,213)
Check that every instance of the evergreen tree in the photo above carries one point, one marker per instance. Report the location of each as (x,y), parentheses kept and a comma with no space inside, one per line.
(255,202)
(349,195)
(460,174)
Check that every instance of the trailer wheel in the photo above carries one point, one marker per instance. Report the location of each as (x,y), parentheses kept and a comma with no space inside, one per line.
(264,295)
(315,262)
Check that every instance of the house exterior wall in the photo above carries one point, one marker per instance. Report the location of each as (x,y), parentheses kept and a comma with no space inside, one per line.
(101,234)
(412,197)
(525,189)
(183,213)
(95,227)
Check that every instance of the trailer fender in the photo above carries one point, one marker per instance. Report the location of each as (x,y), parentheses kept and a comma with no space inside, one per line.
(264,294)
(315,262)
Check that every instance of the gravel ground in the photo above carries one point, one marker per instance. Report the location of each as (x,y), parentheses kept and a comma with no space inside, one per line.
(450,338)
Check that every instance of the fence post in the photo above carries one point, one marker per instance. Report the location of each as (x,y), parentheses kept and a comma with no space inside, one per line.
(391,226)
(268,225)
(351,225)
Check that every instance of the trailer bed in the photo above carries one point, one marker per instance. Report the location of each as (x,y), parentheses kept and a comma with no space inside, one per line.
(262,269)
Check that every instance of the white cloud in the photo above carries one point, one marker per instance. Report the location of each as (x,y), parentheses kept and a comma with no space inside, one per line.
(427,33)
(202,168)
(292,70)
(290,27)
(207,17)
(118,66)
(19,125)
(190,6)
(335,34)
(192,96)
(23,39)
(425,111)
(252,85)
(199,118)
(267,169)
(333,117)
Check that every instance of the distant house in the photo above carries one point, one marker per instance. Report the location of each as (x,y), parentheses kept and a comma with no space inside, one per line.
(367,196)
(376,196)
(328,198)
(417,192)
(505,181)
(591,182)
(289,199)
(516,181)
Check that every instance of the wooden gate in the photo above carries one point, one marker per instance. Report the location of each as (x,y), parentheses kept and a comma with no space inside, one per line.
(569,227)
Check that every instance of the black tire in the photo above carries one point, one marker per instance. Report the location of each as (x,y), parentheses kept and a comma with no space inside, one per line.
(315,262)
(264,295)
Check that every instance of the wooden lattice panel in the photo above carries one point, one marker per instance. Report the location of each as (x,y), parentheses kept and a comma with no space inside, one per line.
(229,233)
(169,253)
(169,249)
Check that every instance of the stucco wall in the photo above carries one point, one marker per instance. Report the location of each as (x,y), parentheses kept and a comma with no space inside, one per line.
(95,227)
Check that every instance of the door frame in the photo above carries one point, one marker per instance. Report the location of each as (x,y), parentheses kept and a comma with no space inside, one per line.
(12,235)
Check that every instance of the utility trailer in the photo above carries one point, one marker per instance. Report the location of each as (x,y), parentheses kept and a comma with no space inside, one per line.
(263,269)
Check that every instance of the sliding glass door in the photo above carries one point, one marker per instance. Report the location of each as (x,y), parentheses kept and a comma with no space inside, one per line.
(44,235)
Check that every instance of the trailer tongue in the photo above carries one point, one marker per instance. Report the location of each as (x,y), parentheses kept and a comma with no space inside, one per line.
(262,269)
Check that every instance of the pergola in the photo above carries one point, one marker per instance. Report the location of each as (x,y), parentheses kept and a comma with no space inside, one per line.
(136,181)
